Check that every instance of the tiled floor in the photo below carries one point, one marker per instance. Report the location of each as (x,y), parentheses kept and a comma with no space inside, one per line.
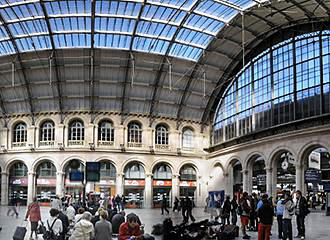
(317,224)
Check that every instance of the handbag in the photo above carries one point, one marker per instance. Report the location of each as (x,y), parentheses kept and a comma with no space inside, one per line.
(41,228)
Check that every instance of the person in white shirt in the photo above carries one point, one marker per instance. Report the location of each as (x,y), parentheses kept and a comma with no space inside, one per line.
(54,222)
(79,215)
(71,212)
(84,229)
(56,203)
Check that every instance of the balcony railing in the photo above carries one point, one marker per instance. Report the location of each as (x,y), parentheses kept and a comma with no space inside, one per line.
(76,142)
(46,143)
(134,145)
(188,149)
(105,143)
(19,144)
(162,147)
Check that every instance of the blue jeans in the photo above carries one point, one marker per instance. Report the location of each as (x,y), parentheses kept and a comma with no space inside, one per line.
(287,229)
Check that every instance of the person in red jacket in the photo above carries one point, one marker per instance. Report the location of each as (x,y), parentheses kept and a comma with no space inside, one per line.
(130,230)
(34,213)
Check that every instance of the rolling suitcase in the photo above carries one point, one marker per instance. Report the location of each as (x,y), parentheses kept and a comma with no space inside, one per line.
(229,232)
(20,232)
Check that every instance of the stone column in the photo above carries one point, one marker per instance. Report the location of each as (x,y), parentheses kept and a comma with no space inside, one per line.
(148,191)
(119,136)
(174,140)
(119,184)
(4,188)
(269,180)
(60,184)
(147,137)
(175,186)
(31,133)
(250,181)
(245,180)
(299,178)
(4,137)
(89,134)
(31,186)
(228,185)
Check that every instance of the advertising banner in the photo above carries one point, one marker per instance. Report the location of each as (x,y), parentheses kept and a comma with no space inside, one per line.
(314,160)
(188,184)
(19,181)
(134,182)
(216,199)
(162,183)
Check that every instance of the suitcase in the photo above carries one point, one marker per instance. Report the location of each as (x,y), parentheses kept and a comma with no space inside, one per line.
(229,232)
(19,233)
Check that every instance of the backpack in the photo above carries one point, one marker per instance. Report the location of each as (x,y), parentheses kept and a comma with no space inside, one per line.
(49,234)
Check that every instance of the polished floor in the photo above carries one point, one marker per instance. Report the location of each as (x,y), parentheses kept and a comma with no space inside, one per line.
(317,224)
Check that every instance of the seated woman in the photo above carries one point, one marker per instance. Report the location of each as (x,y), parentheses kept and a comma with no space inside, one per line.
(130,229)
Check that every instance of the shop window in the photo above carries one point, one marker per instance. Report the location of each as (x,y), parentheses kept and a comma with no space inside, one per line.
(20,135)
(163,171)
(135,171)
(19,170)
(46,169)
(188,173)
(107,170)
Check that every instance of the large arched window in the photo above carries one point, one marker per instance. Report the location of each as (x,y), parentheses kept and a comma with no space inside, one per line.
(47,133)
(19,169)
(19,135)
(161,137)
(107,170)
(187,138)
(134,134)
(46,169)
(286,82)
(106,133)
(76,133)
(134,171)
(162,171)
(188,173)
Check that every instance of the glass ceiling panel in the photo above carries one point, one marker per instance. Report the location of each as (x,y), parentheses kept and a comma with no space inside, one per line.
(180,28)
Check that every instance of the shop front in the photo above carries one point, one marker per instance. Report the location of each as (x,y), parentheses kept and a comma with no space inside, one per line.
(18,189)
(134,193)
(106,187)
(188,188)
(46,190)
(161,188)
(73,188)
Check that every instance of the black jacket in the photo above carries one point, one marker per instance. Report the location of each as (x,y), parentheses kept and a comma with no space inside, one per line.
(266,213)
(303,206)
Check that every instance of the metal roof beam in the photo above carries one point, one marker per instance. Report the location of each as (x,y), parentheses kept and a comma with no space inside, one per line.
(308,13)
(323,6)
(19,60)
(92,63)
(58,81)
(164,60)
(123,102)
(228,4)
(269,23)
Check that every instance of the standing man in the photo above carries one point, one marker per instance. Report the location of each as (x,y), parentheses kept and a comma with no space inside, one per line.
(301,212)
(265,214)
(279,216)
(164,204)
(245,210)
(184,209)
(288,213)
(234,207)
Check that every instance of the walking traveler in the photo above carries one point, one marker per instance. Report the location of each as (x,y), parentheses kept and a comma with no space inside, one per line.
(301,212)
(54,226)
(253,213)
(118,202)
(245,214)
(84,229)
(288,213)
(234,207)
(163,203)
(225,216)
(103,228)
(176,205)
(265,214)
(12,207)
(184,209)
(189,207)
(130,229)
(279,216)
(33,213)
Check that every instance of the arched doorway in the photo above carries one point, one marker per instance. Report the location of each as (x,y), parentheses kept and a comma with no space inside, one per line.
(18,183)
(134,186)
(107,184)
(284,173)
(235,176)
(73,172)
(316,168)
(188,181)
(257,174)
(45,182)
(162,184)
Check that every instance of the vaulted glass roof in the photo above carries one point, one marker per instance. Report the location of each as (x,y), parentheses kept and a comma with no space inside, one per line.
(177,28)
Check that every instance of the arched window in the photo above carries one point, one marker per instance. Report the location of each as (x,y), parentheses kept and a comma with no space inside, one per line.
(106,132)
(47,132)
(20,135)
(19,169)
(187,173)
(162,171)
(76,133)
(107,170)
(134,133)
(46,169)
(161,135)
(134,171)
(187,138)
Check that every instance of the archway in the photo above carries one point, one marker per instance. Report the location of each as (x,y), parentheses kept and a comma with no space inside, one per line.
(284,173)
(217,181)
(316,167)
(73,175)
(107,184)
(188,181)
(257,174)
(162,184)
(235,177)
(18,183)
(45,181)
(134,186)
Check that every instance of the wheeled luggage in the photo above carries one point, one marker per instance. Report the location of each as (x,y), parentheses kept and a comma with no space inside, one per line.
(229,232)
(19,233)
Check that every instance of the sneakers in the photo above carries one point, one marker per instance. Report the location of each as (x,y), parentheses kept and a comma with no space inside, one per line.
(298,236)
(302,238)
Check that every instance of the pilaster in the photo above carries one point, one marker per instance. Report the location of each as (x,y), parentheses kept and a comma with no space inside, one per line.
(4,188)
